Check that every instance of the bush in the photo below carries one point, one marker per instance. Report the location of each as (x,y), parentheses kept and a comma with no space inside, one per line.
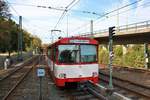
(103,56)
(134,56)
(118,54)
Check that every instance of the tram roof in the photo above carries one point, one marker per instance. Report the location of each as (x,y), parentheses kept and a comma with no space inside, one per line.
(75,40)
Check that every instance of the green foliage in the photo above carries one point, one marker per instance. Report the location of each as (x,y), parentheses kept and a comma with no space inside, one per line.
(9,31)
(118,53)
(103,56)
(26,41)
(133,58)
(36,42)
(6,36)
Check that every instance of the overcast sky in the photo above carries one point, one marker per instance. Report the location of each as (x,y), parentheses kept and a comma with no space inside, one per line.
(40,21)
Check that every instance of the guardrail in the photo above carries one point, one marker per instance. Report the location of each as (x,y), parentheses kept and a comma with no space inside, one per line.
(124,29)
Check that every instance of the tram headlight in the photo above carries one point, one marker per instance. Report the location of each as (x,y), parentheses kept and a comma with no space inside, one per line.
(94,74)
(62,75)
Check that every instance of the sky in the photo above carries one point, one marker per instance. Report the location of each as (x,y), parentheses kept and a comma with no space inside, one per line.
(40,21)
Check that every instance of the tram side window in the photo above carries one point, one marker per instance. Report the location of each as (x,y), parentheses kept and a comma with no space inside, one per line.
(54,53)
(49,53)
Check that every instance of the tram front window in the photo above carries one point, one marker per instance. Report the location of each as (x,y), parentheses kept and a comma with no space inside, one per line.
(88,53)
(68,53)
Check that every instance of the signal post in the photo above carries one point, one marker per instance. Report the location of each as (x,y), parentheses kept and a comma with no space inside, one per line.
(111,54)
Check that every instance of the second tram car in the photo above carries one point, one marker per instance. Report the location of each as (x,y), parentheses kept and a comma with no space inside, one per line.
(73,59)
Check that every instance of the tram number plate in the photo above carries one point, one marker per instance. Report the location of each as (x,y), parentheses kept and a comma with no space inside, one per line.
(40,72)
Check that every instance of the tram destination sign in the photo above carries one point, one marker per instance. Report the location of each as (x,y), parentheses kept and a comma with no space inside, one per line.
(79,41)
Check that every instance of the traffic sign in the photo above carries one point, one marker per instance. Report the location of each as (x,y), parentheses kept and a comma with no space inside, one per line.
(40,72)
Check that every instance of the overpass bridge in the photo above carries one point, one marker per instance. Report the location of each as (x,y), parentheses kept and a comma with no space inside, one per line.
(136,33)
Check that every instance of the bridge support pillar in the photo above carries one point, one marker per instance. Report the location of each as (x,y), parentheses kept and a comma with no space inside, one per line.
(124,49)
(146,55)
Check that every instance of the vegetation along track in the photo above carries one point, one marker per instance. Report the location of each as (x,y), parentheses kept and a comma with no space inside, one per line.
(7,85)
(126,87)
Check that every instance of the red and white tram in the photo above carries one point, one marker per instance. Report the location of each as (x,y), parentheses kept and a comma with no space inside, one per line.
(73,59)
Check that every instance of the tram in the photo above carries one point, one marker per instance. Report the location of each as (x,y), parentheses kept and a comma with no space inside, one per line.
(73,59)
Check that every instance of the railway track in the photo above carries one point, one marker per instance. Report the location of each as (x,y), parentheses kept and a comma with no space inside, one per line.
(92,88)
(116,67)
(90,91)
(79,94)
(24,85)
(17,68)
(29,87)
(130,89)
(9,83)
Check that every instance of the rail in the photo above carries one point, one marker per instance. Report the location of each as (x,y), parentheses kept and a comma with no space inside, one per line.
(19,81)
(18,68)
(102,92)
(143,26)
(127,85)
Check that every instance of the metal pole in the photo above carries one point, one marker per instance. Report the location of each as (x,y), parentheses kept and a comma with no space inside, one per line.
(67,25)
(92,28)
(9,47)
(40,98)
(146,55)
(52,36)
(111,33)
(18,43)
(110,62)
(118,20)
(52,33)
(21,36)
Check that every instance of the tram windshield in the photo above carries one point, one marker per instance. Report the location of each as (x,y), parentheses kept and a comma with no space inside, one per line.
(88,53)
(77,53)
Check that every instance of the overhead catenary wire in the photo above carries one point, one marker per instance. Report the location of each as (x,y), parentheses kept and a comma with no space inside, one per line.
(105,15)
(127,11)
(81,11)
(133,8)
(22,17)
(39,6)
(58,8)
(118,9)
(67,8)
(102,16)
(64,13)
(13,8)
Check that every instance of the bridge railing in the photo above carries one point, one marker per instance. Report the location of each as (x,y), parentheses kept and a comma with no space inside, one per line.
(124,29)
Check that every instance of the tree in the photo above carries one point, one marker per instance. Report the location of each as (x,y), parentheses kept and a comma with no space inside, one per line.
(4,11)
(4,34)
(27,41)
(9,31)
(36,42)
